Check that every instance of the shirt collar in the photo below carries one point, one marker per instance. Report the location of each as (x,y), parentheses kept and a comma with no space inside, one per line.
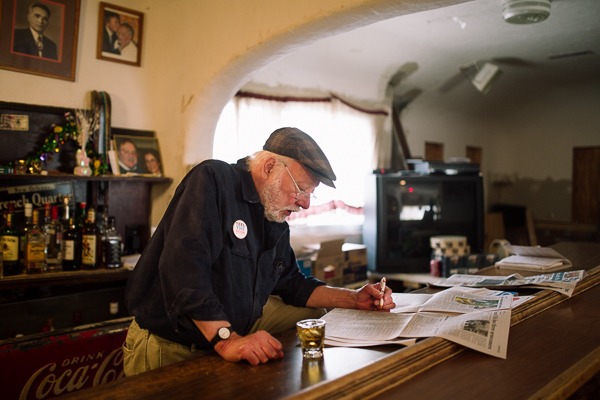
(249,192)
(35,34)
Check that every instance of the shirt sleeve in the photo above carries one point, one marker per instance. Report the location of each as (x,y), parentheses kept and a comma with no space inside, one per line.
(293,287)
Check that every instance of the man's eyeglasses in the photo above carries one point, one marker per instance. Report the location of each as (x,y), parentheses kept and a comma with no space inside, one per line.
(302,194)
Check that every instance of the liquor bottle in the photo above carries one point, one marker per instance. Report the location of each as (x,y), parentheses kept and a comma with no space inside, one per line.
(90,242)
(53,236)
(111,245)
(9,240)
(23,234)
(80,214)
(71,247)
(35,254)
(66,215)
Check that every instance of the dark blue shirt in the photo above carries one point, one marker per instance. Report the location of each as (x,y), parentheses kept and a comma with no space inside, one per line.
(195,267)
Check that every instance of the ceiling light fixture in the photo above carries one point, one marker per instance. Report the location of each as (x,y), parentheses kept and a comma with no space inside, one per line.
(525,11)
(482,74)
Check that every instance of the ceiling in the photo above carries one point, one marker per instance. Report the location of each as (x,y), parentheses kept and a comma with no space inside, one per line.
(359,64)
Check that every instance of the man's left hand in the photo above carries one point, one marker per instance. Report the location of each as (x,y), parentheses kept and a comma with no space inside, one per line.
(368,298)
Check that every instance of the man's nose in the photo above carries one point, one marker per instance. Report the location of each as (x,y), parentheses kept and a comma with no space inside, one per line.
(304,203)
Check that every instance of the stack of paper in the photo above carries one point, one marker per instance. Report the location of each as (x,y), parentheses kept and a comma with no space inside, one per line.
(541,259)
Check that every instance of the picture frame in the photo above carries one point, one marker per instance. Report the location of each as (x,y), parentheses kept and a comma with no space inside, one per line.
(120,34)
(55,54)
(136,155)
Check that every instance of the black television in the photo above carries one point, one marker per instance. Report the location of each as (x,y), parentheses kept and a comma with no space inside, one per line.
(402,212)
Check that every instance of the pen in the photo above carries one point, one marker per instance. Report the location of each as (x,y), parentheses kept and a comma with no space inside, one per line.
(382,286)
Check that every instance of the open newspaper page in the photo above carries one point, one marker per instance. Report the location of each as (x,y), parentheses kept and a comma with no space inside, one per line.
(562,282)
(458,301)
(415,302)
(485,331)
(409,302)
(363,325)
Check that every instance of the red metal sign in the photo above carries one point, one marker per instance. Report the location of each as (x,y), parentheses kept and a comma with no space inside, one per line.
(54,365)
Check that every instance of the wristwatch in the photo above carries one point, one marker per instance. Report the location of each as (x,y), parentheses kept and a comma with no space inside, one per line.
(223,333)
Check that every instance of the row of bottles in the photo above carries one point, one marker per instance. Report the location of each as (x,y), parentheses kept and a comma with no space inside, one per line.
(52,245)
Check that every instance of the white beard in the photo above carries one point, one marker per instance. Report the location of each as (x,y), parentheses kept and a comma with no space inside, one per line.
(271,196)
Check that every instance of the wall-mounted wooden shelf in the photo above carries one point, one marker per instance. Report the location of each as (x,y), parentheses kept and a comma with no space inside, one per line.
(64,278)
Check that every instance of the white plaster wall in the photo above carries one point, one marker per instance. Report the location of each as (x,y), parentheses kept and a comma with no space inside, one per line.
(196,55)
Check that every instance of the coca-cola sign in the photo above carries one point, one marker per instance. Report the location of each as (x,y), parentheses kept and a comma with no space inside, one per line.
(57,365)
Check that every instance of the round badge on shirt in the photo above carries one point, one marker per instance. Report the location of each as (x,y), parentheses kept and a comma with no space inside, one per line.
(240,229)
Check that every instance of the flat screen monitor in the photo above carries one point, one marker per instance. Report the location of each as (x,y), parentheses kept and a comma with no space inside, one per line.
(402,212)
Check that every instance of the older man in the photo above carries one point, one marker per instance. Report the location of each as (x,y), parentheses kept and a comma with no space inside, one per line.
(31,41)
(219,271)
(125,45)
(128,157)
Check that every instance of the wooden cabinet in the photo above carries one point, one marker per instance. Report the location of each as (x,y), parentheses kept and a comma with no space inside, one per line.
(26,301)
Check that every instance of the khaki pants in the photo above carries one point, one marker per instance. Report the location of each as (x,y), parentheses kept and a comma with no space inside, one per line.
(143,351)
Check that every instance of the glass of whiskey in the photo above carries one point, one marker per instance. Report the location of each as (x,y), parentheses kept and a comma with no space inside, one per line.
(311,333)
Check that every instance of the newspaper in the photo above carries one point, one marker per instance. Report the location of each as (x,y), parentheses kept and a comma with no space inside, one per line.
(484,331)
(454,299)
(562,282)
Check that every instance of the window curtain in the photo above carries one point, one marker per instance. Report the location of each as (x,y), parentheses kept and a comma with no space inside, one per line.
(347,134)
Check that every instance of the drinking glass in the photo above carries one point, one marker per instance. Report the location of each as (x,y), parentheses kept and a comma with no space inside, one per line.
(311,333)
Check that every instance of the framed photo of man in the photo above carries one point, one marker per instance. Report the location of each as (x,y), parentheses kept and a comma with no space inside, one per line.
(137,155)
(120,32)
(40,37)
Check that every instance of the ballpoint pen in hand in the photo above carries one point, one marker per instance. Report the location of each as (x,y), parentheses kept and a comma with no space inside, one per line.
(382,286)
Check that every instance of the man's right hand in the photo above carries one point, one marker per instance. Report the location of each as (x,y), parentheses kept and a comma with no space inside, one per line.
(257,348)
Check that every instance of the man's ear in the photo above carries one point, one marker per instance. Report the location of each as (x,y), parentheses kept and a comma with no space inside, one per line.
(268,167)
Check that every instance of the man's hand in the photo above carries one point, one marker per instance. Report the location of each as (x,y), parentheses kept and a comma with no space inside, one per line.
(256,348)
(367,298)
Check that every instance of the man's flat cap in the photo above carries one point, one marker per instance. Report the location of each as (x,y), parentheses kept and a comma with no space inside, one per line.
(293,143)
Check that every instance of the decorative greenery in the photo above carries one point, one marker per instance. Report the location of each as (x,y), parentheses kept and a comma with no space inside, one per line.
(76,128)
(58,137)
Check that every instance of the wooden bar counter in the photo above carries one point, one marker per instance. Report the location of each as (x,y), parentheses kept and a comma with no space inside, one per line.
(553,351)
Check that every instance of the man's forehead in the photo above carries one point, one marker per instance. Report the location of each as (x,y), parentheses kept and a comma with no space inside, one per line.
(38,10)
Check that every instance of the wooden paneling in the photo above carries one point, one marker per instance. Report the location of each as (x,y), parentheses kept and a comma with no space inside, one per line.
(585,196)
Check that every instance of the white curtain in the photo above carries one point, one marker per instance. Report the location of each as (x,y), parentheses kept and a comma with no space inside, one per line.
(346,135)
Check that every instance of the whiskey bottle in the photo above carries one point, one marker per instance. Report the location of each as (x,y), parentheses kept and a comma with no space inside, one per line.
(35,248)
(9,241)
(90,242)
(111,245)
(53,235)
(71,247)
(28,207)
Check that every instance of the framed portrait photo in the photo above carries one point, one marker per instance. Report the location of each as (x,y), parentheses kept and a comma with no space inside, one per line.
(137,155)
(40,37)
(120,32)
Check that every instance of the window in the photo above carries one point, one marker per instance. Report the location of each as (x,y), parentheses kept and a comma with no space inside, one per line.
(346,135)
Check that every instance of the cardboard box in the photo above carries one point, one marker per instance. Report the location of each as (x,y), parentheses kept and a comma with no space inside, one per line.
(338,263)
(305,261)
(355,262)
(328,265)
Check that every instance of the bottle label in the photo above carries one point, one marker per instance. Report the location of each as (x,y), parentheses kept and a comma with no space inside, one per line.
(35,252)
(69,250)
(88,249)
(10,248)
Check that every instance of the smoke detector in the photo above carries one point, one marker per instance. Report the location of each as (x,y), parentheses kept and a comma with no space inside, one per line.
(525,11)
